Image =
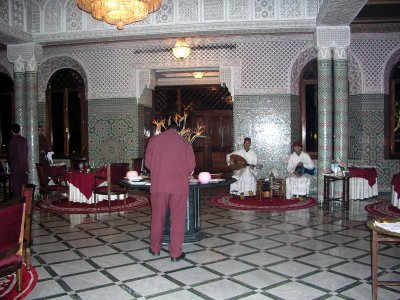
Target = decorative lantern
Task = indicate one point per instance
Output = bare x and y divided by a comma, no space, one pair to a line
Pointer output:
204,177
132,174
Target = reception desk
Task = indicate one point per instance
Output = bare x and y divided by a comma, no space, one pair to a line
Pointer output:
193,232
363,183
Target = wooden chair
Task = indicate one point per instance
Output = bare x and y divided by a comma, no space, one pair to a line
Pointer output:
28,191
11,241
115,172
59,187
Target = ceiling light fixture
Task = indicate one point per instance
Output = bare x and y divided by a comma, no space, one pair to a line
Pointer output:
119,12
198,75
181,48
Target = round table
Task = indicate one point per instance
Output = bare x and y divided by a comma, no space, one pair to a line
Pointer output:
379,234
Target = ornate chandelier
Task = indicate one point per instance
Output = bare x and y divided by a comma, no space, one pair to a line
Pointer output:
119,12
181,48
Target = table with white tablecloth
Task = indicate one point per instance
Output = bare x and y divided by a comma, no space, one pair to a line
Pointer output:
363,182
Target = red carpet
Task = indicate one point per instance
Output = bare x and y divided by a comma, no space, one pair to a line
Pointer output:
61,206
8,289
266,204
382,209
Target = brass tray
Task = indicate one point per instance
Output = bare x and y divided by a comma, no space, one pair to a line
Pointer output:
371,225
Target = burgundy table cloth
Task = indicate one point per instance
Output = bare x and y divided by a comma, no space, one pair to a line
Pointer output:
396,184
369,174
83,181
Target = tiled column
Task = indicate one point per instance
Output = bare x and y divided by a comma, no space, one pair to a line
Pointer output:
25,58
324,116
341,104
32,118
19,94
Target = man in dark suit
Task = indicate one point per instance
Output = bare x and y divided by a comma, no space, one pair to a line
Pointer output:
18,160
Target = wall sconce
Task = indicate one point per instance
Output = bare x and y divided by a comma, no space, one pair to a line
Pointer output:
198,75
181,48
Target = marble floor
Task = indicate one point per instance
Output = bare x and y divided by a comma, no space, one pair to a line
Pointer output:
304,254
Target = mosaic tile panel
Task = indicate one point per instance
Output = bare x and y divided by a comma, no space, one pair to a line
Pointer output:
113,130
295,118
19,99
18,14
266,120
73,16
213,10
52,11
324,121
340,109
367,137
35,19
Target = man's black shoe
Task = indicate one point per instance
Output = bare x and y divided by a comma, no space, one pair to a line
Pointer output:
176,259
154,253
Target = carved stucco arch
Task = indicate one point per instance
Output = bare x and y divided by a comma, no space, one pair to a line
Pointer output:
297,67
51,65
354,71
392,59
355,75
144,76
6,68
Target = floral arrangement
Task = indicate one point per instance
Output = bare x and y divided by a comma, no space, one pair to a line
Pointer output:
341,164
188,133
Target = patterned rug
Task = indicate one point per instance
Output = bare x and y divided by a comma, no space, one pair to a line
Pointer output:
8,289
382,209
62,206
266,204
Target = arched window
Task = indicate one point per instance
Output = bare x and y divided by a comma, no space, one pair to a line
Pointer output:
6,111
392,139
309,108
66,109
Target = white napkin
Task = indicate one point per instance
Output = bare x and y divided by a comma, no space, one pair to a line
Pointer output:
393,227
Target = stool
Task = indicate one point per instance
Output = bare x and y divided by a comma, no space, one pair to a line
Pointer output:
260,192
278,187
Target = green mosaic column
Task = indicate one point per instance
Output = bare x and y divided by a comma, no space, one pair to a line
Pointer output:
32,118
341,104
19,94
324,117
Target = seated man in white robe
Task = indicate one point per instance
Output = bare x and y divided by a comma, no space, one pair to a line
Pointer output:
246,178
300,167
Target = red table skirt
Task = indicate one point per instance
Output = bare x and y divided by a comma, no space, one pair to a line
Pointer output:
396,184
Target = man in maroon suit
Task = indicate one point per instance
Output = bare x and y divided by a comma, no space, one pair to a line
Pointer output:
170,160
18,160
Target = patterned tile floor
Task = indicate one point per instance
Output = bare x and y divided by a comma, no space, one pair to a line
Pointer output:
305,254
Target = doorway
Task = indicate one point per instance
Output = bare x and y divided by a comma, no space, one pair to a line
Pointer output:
210,105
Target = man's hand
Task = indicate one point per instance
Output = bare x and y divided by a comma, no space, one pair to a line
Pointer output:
300,164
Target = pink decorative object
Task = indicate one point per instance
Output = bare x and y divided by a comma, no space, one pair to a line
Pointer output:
131,174
204,177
